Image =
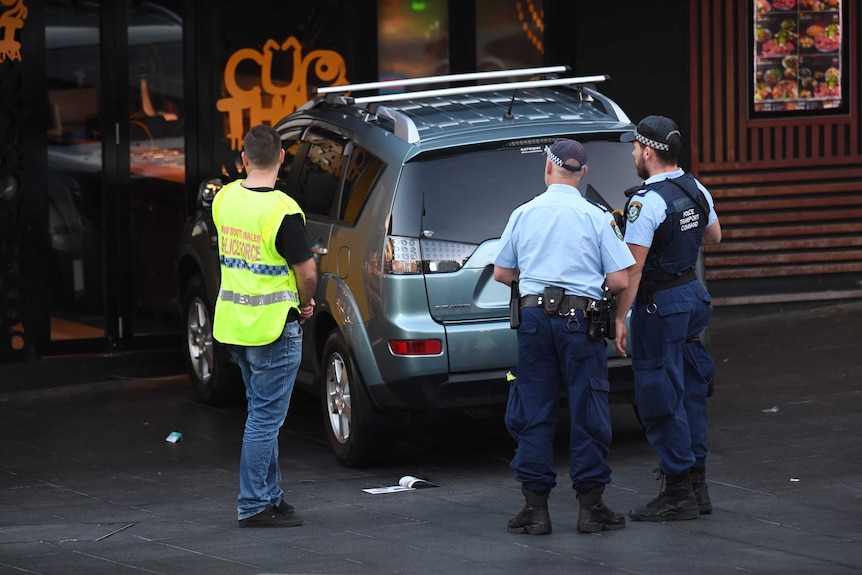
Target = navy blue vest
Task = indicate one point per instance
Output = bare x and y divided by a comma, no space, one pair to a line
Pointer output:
676,242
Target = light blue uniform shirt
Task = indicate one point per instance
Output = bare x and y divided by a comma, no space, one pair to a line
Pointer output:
560,239
650,210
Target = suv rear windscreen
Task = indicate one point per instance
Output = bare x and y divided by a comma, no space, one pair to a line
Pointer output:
467,197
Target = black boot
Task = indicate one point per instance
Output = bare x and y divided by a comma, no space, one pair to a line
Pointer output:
701,492
675,503
594,514
533,518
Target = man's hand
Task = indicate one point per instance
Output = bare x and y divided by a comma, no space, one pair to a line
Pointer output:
306,310
620,340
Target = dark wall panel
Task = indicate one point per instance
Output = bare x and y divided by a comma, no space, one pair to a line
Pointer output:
645,50
787,189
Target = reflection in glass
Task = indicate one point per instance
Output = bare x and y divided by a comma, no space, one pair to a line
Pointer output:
509,34
156,159
74,171
413,38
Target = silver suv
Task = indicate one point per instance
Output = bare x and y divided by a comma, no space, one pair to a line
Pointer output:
406,195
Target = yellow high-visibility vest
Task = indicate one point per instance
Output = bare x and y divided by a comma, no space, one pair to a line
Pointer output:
258,287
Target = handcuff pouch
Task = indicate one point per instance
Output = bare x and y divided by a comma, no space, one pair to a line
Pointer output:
553,300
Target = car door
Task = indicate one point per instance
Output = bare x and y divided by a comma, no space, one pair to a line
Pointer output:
315,183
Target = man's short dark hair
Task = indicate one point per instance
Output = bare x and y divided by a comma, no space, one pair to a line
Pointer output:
262,145
667,158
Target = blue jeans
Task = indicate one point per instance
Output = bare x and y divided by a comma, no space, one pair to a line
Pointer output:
269,372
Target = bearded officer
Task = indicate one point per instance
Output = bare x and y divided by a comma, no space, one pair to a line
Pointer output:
666,223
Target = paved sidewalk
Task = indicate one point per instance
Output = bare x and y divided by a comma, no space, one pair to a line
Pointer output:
88,483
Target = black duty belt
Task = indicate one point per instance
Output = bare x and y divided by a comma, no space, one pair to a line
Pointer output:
667,282
652,283
570,302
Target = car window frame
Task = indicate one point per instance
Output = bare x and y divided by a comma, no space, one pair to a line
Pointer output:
361,183
313,132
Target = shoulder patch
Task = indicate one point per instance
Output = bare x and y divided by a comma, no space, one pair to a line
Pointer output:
634,211
617,229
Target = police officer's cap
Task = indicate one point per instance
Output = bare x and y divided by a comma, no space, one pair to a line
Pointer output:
656,132
563,150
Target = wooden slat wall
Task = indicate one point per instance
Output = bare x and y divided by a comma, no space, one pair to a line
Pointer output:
788,191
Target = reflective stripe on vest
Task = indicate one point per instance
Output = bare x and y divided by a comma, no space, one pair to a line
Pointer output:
255,300
262,269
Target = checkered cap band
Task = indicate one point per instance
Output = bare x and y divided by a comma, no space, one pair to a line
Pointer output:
652,143
556,159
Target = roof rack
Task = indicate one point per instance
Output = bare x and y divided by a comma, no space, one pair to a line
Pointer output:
480,88
404,127
440,79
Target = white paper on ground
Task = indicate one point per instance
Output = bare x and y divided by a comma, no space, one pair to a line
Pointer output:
414,482
406,483
390,489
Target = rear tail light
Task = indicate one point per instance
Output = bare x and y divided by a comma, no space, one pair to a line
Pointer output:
416,346
402,256
414,256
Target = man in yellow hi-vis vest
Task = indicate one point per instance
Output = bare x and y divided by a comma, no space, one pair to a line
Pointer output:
268,277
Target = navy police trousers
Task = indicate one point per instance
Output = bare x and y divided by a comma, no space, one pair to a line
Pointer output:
555,355
672,373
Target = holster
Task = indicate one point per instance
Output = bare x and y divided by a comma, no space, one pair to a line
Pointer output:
514,306
602,316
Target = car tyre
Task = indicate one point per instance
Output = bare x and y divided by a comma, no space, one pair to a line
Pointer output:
356,430
215,378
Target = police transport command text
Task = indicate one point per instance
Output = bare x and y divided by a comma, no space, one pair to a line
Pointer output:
690,219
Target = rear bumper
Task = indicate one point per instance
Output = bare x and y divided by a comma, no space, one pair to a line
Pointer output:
476,389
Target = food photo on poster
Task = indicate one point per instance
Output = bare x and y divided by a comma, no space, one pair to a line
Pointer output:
797,56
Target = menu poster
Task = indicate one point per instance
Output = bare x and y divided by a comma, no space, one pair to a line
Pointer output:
798,53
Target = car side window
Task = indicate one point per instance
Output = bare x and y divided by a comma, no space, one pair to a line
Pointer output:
319,177
294,150
290,141
362,172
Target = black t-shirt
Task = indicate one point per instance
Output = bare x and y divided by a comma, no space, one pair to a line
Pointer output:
290,241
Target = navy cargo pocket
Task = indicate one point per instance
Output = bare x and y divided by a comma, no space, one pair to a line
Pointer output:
700,361
674,324
598,412
515,418
655,395
528,324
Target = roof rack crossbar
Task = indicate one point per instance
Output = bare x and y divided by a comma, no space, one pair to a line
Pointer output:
404,126
441,79
480,88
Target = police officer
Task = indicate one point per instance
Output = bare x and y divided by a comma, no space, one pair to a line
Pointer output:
560,248
666,222
268,278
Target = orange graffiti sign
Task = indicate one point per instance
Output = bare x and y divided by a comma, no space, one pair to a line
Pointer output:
11,20
266,102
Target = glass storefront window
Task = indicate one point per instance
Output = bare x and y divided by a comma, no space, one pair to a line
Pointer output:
413,38
75,218
156,159
509,34
82,201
